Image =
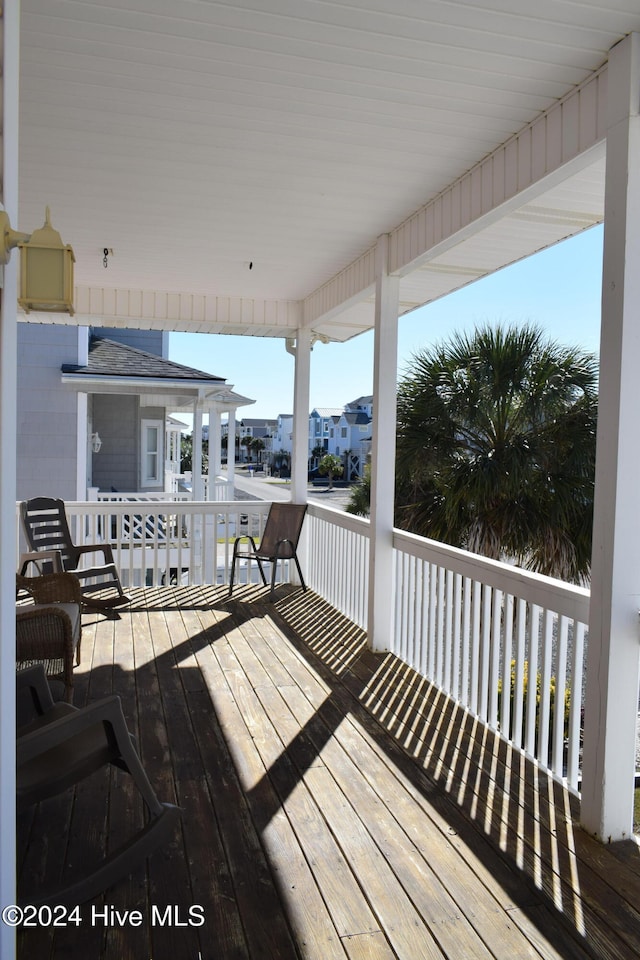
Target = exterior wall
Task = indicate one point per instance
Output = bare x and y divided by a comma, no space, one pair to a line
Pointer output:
152,341
283,437
116,418
47,414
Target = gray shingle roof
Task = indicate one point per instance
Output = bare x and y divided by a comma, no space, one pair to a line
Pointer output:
110,359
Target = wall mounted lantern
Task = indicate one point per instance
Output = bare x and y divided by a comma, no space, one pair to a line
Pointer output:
96,442
46,266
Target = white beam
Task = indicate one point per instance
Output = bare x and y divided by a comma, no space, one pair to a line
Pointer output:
189,312
231,452
614,630
215,445
383,452
301,393
10,32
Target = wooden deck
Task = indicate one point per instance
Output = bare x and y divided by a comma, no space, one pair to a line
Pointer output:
334,805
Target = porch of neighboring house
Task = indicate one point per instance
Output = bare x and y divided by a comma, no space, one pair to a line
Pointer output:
336,804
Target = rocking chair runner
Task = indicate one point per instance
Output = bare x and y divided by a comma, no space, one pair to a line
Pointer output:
59,745
279,542
46,528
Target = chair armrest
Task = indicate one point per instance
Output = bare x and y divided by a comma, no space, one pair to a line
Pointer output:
238,544
44,633
103,548
34,680
52,588
108,710
38,557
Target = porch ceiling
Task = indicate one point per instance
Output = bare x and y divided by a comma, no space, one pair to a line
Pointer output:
196,139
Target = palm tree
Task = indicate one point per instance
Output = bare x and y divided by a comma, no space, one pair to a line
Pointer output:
360,496
258,445
496,448
331,465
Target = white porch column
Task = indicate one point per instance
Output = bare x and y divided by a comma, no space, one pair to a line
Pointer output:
231,452
614,628
196,453
383,452
215,437
9,56
301,393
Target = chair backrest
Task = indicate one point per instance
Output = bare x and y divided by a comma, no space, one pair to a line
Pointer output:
283,523
45,525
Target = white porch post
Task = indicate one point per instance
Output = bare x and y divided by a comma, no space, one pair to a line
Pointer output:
301,393
231,452
215,436
8,404
383,453
196,453
614,628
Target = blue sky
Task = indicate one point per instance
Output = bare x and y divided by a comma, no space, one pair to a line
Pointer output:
559,289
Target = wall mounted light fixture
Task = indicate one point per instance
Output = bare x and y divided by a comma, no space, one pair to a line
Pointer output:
96,442
46,266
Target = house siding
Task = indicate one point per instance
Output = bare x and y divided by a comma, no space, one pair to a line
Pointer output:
116,418
152,341
47,416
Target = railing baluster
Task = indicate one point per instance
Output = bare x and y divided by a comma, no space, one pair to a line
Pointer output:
544,711
474,662
532,679
494,657
507,647
517,730
558,733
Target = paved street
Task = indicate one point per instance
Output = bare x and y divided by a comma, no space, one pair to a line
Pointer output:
271,488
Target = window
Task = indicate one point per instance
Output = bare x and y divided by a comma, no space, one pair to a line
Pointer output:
152,431
343,432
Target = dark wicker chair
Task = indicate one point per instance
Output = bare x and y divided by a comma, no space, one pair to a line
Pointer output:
58,746
46,528
49,630
279,542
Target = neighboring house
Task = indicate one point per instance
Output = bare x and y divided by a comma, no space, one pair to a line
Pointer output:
322,421
282,444
93,410
361,405
353,438
256,429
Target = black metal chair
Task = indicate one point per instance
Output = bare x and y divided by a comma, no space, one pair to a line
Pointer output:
46,528
279,541
59,745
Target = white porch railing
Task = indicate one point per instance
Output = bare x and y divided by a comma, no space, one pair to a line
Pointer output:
506,644
220,488
216,488
338,545
157,543
479,629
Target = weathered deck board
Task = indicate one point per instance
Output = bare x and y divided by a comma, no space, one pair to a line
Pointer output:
335,805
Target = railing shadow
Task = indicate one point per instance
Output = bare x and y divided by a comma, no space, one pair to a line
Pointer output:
496,800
